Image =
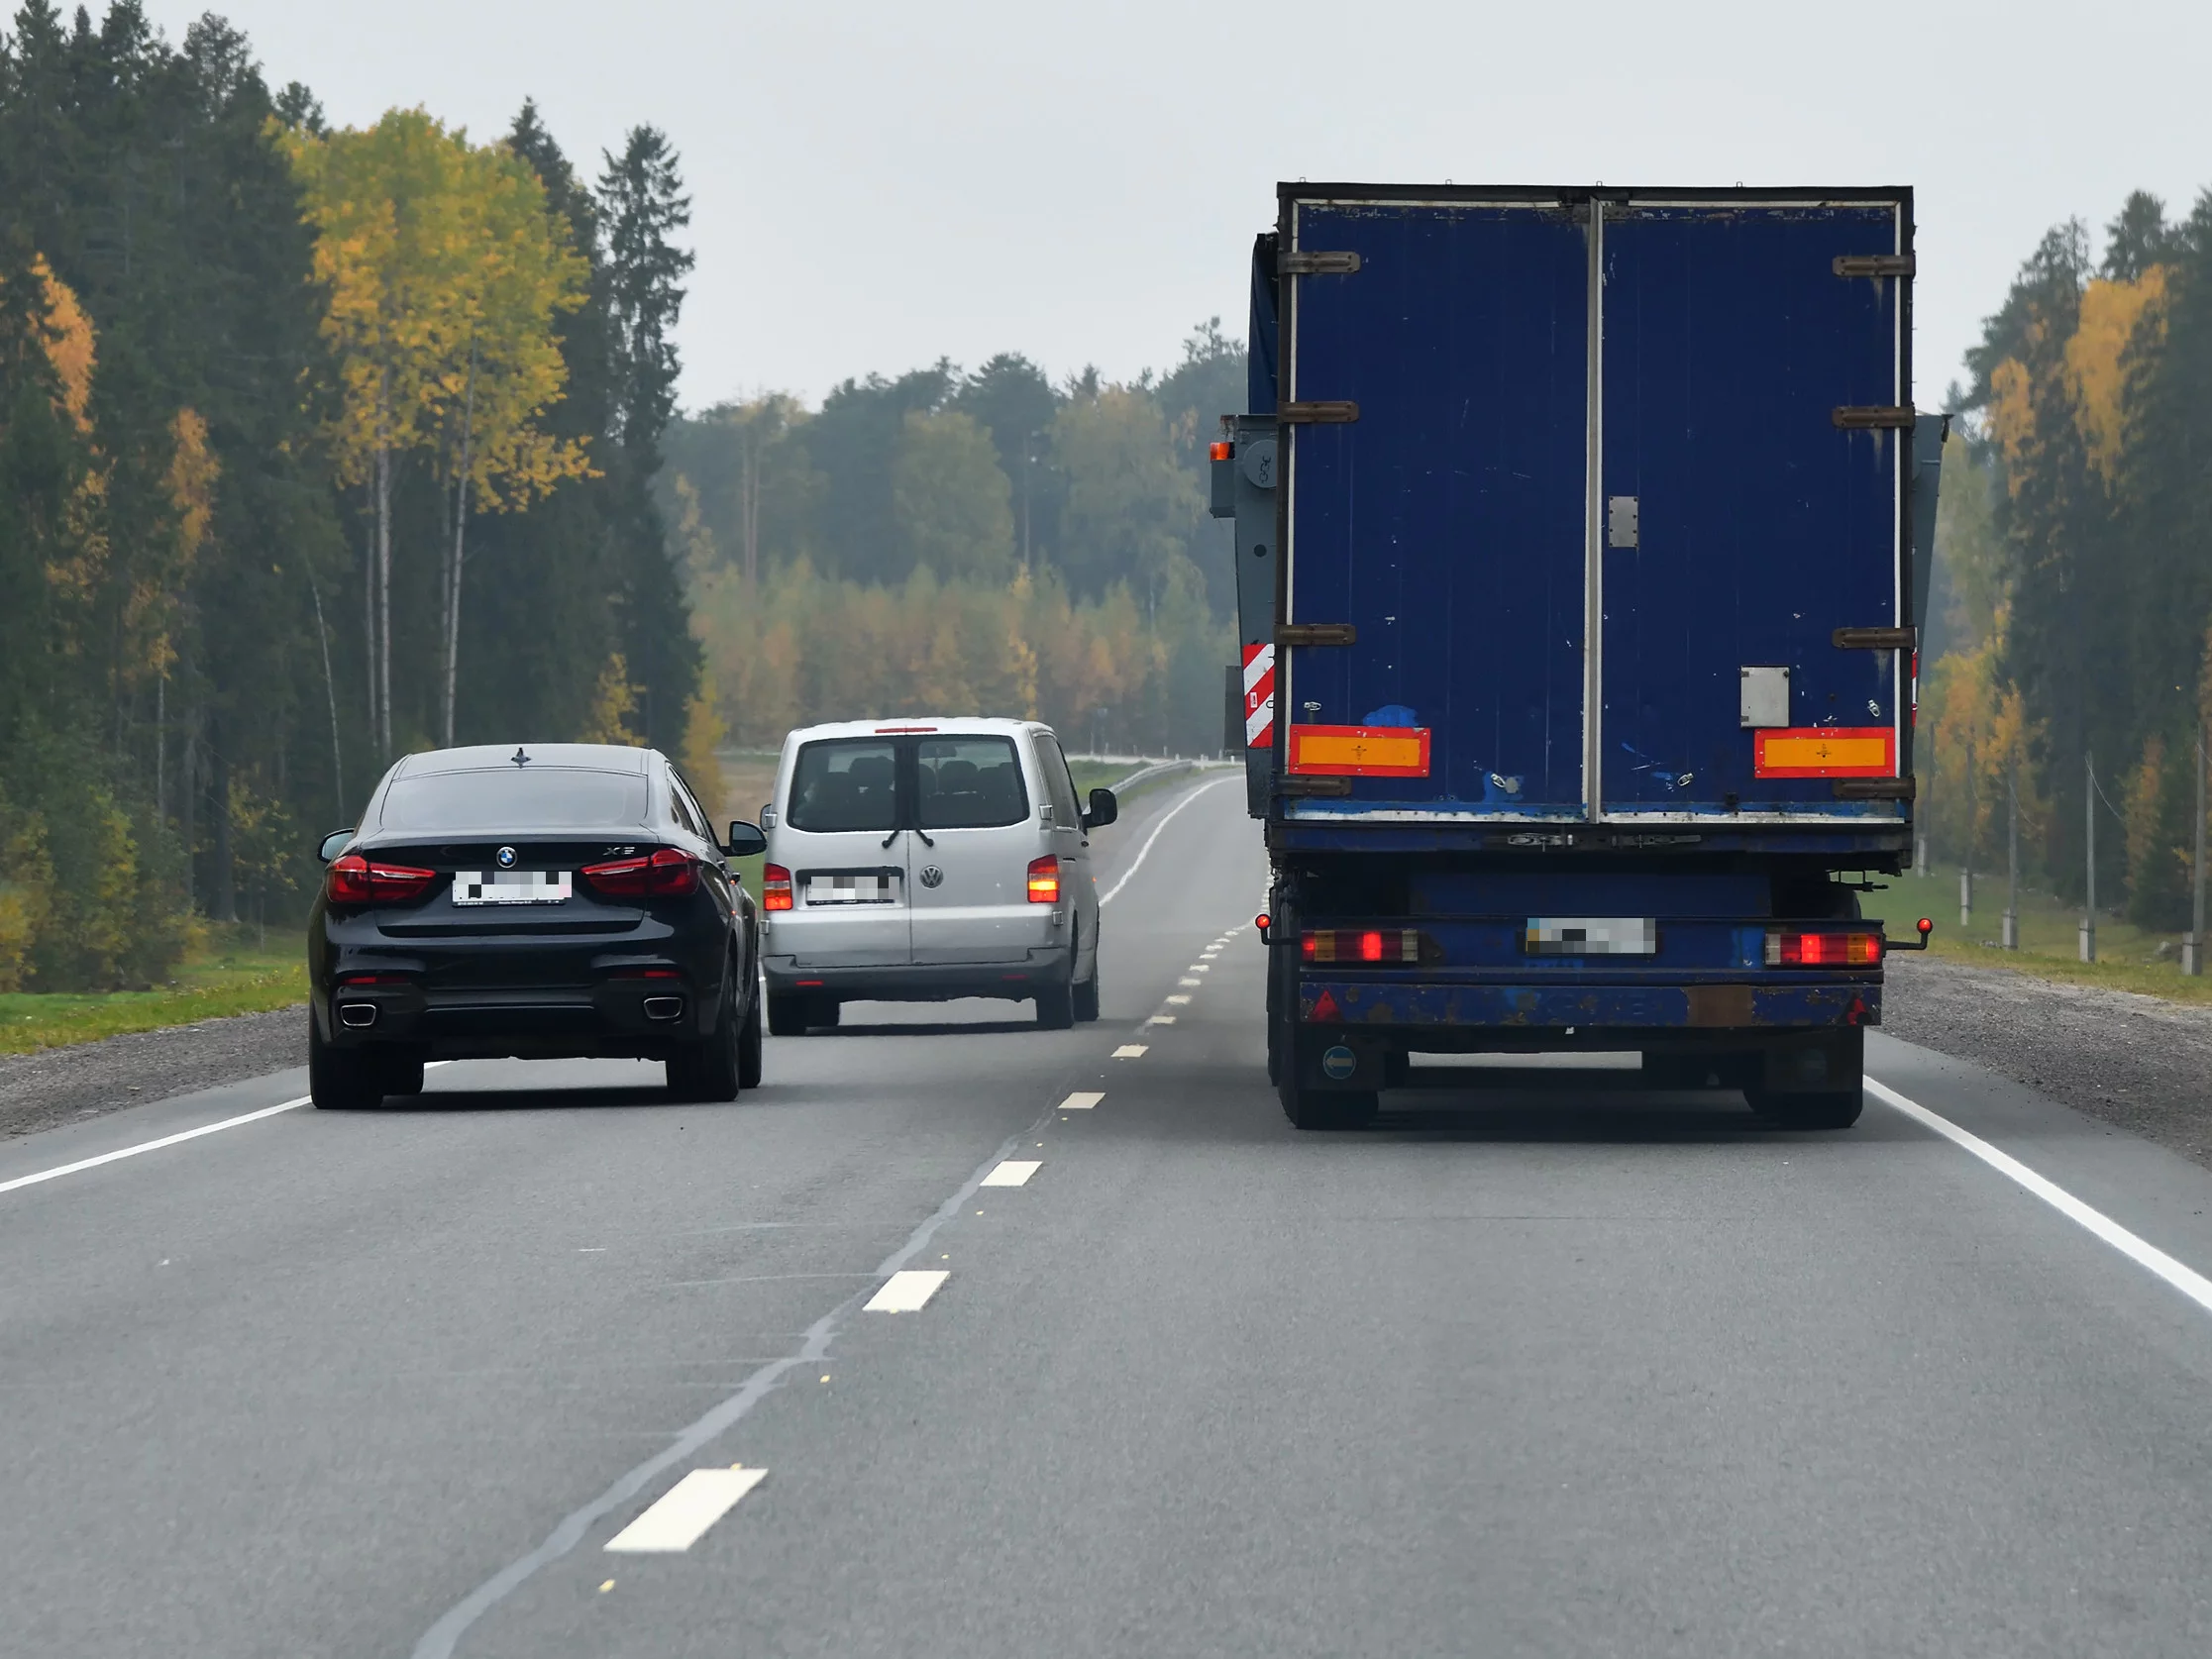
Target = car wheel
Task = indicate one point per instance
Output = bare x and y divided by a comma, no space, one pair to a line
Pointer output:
708,1070
401,1072
786,1014
749,1046
340,1080
1055,1007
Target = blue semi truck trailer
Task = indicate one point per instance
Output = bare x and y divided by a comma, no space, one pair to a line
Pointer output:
1581,538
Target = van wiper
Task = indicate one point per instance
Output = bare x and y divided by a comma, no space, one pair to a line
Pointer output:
916,828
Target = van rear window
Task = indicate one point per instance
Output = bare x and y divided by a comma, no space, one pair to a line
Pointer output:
845,784
969,782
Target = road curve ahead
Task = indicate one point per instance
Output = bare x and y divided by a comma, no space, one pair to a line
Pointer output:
1527,1370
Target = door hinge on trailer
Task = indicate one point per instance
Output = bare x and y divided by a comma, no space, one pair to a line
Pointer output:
1872,789
1895,417
1315,633
1873,264
1316,264
1875,638
1337,412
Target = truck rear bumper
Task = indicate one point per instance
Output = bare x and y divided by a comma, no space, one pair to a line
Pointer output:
1583,1008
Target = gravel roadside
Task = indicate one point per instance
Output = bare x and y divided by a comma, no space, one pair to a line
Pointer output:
84,1080
2136,1062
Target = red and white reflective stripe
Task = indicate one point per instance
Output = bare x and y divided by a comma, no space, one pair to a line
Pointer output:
1259,696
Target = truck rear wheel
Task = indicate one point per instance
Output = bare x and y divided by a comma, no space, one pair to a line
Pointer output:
1838,1111
1319,1109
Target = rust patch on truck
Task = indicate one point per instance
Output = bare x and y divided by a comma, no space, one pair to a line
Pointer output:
1721,1006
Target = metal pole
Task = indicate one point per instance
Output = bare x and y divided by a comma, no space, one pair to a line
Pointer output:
2192,947
2011,935
2089,817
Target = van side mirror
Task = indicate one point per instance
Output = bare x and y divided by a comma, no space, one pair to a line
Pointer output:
1103,809
744,841
332,845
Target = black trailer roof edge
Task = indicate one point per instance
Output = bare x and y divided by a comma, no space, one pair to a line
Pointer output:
1349,190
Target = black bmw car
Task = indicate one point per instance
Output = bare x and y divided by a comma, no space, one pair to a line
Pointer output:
552,901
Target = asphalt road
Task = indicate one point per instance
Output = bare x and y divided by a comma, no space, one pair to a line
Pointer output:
1557,1371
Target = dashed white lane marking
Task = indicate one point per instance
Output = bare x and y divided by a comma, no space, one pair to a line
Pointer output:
1178,1001
1161,1019
909,1290
1172,813
1129,1051
1202,967
684,1511
60,1169
1083,1099
1014,1172
2187,1281
1187,980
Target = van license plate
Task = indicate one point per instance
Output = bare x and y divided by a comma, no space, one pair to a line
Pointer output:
850,890
511,887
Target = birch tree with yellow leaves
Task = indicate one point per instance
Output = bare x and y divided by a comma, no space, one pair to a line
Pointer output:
445,274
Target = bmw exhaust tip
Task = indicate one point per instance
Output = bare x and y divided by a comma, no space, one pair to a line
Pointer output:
663,1007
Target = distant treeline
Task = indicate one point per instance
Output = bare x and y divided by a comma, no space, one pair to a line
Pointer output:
316,446
986,541
2074,617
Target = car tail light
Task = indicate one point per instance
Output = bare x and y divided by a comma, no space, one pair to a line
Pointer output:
353,880
1823,950
667,873
776,887
375,980
1363,944
1044,880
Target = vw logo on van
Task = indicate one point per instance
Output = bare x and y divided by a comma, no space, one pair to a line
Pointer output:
931,875
505,857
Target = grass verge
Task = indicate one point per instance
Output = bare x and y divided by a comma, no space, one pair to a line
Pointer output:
234,975
2129,957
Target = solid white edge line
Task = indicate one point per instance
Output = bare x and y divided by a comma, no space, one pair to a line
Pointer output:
1155,835
60,1169
2187,1281
681,1515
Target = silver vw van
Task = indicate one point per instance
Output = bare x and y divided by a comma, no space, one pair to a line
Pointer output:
922,860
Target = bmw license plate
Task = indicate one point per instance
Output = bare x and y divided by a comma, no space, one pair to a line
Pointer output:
511,887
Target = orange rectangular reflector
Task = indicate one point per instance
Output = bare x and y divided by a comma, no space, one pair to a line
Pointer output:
1824,751
1360,751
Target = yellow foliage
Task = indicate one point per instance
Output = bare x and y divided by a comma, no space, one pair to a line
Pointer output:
193,473
1973,731
2110,314
67,337
613,701
703,733
443,271
2012,418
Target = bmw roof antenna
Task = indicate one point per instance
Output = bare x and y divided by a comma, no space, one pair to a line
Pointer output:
518,757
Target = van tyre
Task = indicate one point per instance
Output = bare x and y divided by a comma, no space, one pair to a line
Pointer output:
341,1079
1838,1111
1087,993
708,1070
1055,1007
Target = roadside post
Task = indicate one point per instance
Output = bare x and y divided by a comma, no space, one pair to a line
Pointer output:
2010,938
2089,817
2192,947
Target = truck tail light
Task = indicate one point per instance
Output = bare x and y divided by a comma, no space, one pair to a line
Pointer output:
1823,950
353,880
1044,880
1370,944
776,887
667,873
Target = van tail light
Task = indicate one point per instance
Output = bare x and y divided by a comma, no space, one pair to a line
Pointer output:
1823,950
776,887
1393,945
667,873
353,880
1044,880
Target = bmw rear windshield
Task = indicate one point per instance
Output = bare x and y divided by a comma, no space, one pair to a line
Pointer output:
498,801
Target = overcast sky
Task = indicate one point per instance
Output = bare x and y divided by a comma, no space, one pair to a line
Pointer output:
879,185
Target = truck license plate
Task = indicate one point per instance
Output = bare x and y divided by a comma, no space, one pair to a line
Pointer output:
1592,936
